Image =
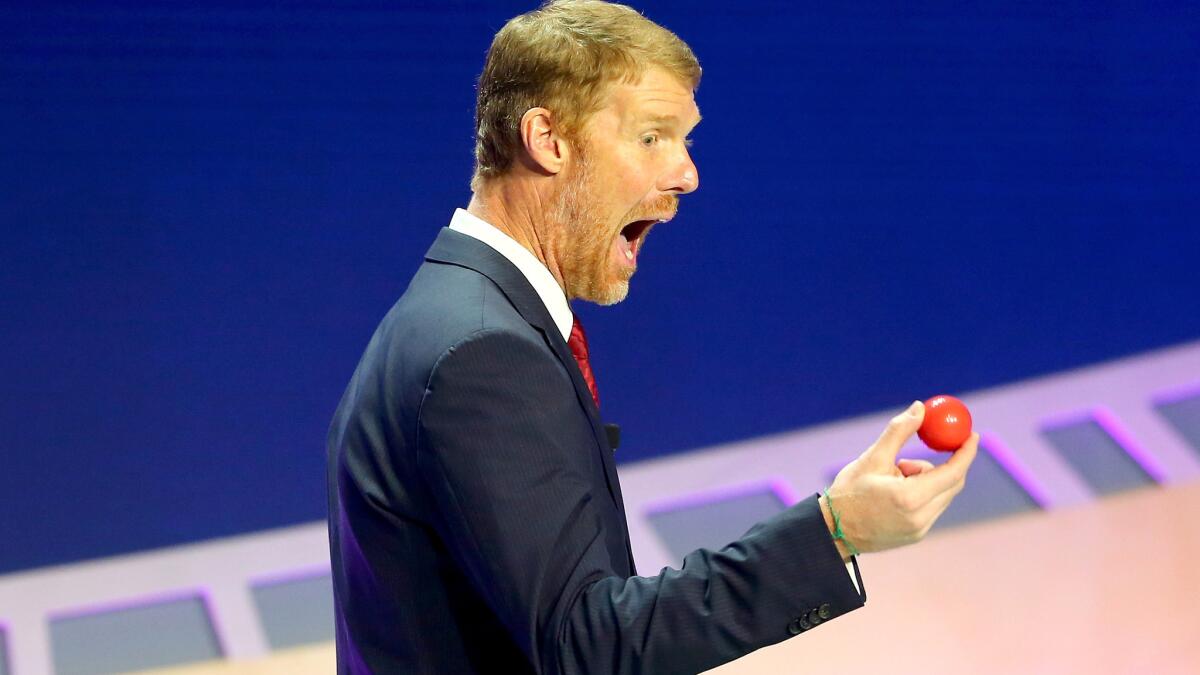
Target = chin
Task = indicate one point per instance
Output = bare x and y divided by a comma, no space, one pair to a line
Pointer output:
616,293
610,294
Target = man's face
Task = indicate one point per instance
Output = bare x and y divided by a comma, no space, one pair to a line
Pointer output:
629,167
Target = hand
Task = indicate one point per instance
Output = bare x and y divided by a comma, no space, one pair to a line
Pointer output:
883,503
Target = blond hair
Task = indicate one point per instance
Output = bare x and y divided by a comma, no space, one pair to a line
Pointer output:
563,57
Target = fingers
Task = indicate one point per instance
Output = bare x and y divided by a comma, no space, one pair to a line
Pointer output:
950,475
882,454
938,505
912,467
963,457
928,516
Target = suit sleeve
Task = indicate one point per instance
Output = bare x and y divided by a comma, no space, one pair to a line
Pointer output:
518,511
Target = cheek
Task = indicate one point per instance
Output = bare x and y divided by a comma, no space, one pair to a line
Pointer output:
638,186
635,191
632,177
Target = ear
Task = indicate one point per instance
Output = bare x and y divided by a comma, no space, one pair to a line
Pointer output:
544,145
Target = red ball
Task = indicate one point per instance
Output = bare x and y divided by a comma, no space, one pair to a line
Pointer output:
947,423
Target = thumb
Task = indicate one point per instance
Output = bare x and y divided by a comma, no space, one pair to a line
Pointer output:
882,454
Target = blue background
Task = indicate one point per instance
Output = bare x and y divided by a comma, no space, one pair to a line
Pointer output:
205,211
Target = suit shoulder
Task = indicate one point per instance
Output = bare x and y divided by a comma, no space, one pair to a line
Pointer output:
445,307
446,303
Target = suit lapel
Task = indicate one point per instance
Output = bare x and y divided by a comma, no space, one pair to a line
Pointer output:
459,249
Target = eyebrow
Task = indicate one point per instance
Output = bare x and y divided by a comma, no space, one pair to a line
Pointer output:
669,118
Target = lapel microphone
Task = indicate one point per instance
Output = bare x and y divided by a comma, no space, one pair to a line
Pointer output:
614,435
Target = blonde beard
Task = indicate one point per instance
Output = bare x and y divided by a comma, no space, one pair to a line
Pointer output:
585,250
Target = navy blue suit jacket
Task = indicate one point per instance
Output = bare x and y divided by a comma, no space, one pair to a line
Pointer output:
476,521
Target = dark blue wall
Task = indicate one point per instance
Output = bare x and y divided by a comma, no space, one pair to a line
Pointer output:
204,212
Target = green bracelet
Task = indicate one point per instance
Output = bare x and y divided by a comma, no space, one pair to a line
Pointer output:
837,525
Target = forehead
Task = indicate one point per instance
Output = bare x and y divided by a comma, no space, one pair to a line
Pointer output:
658,96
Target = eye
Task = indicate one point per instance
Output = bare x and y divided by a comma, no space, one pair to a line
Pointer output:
648,140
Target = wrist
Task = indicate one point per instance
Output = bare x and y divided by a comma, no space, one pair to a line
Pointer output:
833,522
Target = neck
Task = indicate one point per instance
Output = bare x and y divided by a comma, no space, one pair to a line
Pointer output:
518,211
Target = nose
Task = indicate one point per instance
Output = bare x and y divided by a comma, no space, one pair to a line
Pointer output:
683,177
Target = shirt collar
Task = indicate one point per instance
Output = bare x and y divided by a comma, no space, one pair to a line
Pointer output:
534,271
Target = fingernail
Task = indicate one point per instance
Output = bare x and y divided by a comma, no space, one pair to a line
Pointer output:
912,409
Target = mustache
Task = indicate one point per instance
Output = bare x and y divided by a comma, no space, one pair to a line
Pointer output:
662,205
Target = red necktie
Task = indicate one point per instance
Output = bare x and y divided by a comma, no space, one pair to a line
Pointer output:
579,347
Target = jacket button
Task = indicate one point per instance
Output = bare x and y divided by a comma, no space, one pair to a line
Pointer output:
825,611
814,618
804,622
795,628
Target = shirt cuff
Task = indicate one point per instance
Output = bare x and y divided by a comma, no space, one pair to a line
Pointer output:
856,577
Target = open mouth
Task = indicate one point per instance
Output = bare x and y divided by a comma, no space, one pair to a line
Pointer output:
633,232
631,237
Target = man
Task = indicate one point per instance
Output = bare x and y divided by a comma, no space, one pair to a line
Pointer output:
476,518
